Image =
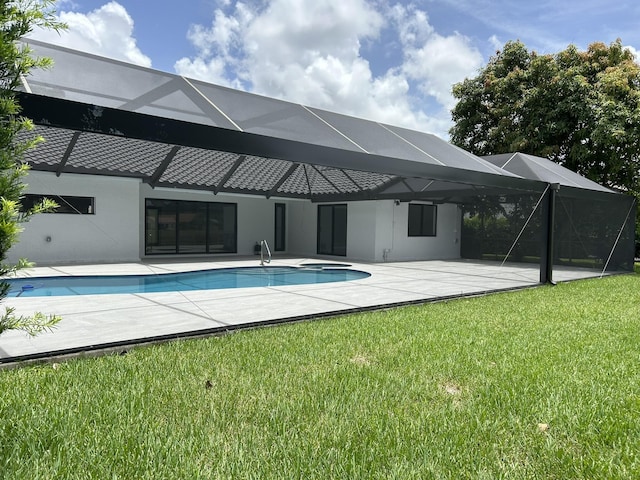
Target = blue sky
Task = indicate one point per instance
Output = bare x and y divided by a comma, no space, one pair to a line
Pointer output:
390,61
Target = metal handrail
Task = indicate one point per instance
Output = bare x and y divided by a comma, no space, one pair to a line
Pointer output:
264,246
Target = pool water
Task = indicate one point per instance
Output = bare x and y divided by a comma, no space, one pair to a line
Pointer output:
242,277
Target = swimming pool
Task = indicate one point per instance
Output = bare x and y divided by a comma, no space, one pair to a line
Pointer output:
239,277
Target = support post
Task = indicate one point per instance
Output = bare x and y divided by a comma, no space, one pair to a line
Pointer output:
547,247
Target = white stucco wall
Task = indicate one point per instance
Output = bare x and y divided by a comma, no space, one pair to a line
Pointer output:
302,228
361,222
111,234
385,221
361,230
115,233
376,226
401,247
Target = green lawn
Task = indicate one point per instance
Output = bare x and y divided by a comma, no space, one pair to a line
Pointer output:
542,383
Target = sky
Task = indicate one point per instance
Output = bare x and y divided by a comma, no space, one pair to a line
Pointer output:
390,61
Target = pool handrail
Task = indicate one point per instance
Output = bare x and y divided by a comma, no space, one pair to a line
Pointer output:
264,246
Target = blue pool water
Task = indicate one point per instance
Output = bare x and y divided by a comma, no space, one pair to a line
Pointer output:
172,282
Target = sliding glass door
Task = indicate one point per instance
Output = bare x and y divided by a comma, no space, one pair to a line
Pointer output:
180,227
332,230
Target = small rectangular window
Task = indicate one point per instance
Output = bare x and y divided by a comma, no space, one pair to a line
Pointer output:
66,203
422,220
280,227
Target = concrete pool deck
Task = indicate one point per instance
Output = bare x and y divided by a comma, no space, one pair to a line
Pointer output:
98,322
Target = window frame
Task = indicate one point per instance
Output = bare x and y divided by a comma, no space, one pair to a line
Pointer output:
280,228
425,228
67,204
177,204
334,214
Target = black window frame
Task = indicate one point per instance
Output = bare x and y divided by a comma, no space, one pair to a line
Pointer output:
335,248
176,213
67,204
427,225
280,227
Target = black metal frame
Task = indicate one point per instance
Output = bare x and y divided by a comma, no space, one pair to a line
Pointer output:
65,203
332,207
177,245
435,220
277,247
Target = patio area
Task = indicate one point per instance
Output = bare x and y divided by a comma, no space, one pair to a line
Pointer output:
92,323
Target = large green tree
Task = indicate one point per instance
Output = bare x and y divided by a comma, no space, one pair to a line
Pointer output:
18,18
580,109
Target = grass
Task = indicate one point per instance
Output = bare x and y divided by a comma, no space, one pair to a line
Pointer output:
542,383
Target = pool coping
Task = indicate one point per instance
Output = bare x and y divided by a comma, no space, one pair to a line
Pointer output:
390,285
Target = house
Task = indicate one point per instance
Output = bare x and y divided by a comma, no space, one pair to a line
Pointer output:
146,164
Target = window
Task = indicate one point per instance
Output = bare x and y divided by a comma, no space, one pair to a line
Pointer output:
332,230
66,203
173,226
422,220
280,227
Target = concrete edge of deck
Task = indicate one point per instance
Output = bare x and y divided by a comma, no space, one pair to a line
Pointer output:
391,285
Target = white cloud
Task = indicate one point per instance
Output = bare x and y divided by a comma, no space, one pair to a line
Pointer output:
311,52
106,31
435,62
634,51
496,43
212,70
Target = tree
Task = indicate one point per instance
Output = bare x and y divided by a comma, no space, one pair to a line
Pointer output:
18,18
580,109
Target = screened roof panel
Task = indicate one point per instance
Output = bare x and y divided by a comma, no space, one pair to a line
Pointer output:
271,117
177,115
447,153
374,138
91,79
176,100
538,168
111,83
